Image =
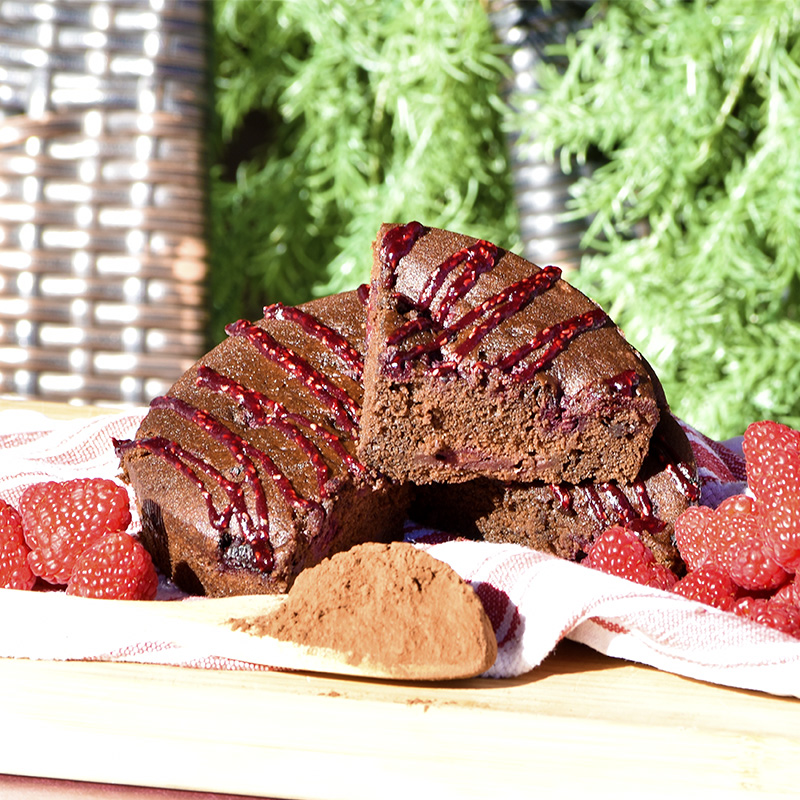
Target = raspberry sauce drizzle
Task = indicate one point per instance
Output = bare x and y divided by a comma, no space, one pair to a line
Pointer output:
678,469
617,501
608,504
247,456
267,414
345,410
500,307
504,305
184,461
189,465
557,337
624,383
263,411
476,259
332,339
397,242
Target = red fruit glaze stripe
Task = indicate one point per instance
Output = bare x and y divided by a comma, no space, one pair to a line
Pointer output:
643,498
246,454
344,409
618,502
332,339
397,243
263,411
409,328
562,495
187,464
256,533
557,337
595,504
624,383
680,473
477,259
608,504
504,305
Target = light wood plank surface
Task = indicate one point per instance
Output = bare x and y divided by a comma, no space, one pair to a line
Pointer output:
581,722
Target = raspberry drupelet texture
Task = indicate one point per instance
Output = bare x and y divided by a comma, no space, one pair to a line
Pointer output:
116,567
772,456
14,570
709,584
61,519
619,551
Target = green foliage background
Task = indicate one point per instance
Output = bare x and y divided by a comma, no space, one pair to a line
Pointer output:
693,109
332,116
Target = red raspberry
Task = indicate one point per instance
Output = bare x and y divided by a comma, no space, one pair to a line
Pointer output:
789,593
709,584
772,459
116,567
781,616
61,519
707,535
14,570
764,441
619,551
753,568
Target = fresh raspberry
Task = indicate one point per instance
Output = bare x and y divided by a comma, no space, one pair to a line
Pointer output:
707,535
692,535
737,505
709,584
781,616
789,593
752,566
763,442
772,461
14,570
116,567
61,519
619,551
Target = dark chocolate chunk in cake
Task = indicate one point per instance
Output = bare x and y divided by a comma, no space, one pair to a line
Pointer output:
246,471
563,519
482,364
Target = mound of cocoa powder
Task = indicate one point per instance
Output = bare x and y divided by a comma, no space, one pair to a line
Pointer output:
385,604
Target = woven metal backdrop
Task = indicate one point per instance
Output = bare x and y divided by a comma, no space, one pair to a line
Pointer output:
529,29
102,251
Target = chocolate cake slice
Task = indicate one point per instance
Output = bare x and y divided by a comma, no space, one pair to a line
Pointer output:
246,471
564,519
480,363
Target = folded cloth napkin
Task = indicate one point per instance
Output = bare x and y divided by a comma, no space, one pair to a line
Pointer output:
533,599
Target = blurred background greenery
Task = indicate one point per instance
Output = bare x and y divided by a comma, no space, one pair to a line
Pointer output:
332,116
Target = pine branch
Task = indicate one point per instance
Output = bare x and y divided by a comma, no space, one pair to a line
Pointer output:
340,115
693,108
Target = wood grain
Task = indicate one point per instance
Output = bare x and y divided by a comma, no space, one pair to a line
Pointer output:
581,722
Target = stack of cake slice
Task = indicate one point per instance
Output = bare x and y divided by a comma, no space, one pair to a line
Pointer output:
465,386
512,401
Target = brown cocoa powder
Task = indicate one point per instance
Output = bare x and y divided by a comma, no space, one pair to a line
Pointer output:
385,604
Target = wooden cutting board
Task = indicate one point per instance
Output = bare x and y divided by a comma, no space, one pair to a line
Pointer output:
581,722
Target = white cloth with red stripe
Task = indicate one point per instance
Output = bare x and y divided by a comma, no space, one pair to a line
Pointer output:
533,599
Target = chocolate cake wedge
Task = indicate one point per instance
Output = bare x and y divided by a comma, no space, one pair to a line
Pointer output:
246,473
564,519
481,364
